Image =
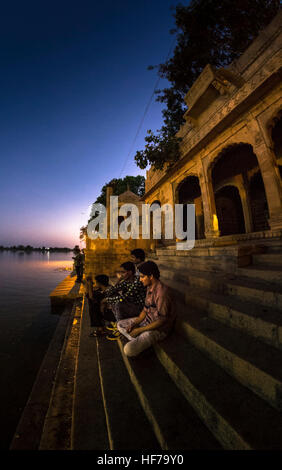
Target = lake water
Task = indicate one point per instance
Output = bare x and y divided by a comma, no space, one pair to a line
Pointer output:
26,326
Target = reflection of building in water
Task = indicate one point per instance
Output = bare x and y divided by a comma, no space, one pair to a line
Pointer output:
232,147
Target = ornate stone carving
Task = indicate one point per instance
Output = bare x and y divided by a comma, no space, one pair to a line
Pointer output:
237,98
190,121
258,138
220,87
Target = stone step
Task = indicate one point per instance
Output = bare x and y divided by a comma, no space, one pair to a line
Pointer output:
255,319
175,423
128,426
275,248
269,295
236,416
268,259
269,274
200,263
260,322
247,289
88,409
254,364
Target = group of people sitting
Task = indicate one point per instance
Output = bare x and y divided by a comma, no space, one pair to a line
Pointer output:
138,306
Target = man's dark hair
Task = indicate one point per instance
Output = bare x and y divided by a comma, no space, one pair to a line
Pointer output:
138,253
102,279
149,268
128,266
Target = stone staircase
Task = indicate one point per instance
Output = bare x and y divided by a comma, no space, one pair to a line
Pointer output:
214,383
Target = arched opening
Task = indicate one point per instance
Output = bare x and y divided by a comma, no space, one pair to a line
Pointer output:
229,211
277,141
239,197
189,192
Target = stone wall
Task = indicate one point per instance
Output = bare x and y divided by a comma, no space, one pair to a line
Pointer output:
242,102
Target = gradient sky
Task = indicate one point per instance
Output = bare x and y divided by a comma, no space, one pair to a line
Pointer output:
74,86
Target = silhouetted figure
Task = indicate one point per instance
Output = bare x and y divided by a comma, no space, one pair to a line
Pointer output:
78,263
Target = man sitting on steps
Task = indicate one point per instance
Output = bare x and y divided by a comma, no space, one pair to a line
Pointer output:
126,298
157,317
137,257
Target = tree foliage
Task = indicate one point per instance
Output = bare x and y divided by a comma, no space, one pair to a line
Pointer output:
136,184
207,31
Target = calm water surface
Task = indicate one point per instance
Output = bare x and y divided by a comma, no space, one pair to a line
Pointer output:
26,326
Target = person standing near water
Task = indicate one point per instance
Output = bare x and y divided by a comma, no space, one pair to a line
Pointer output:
78,263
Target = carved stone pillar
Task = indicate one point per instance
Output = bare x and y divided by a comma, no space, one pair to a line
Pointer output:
245,200
271,177
211,221
173,186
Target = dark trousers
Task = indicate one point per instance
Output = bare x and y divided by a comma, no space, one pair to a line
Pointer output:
97,318
79,272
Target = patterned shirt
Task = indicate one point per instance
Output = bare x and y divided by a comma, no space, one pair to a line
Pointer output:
130,291
158,304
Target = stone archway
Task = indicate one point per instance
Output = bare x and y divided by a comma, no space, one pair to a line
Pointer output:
189,192
234,188
154,242
229,211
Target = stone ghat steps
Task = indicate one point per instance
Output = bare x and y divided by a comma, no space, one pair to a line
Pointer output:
127,425
173,419
254,364
206,386
268,259
247,289
225,257
270,273
65,293
120,404
258,321
235,415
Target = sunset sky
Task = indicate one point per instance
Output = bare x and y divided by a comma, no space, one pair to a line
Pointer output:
74,85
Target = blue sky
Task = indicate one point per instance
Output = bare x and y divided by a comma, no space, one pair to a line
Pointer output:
74,85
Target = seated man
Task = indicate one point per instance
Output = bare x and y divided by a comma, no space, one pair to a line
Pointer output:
157,317
95,296
137,257
126,298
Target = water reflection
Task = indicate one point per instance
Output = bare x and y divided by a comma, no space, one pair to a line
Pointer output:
26,326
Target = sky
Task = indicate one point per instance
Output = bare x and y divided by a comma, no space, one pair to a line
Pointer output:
74,86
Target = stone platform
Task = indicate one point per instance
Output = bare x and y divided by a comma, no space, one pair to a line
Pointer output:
65,293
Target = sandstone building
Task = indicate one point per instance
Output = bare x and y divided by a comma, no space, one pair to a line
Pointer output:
231,163
216,381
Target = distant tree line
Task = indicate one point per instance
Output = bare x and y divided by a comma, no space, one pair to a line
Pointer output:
29,248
